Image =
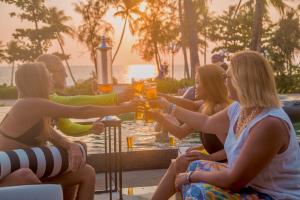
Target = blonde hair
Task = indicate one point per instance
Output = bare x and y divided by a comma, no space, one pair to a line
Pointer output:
32,80
212,79
252,77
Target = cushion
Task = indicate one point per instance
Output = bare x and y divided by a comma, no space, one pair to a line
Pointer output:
46,161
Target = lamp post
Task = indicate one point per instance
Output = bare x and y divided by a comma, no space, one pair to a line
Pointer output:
104,67
173,48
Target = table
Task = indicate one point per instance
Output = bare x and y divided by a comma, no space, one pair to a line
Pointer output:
113,158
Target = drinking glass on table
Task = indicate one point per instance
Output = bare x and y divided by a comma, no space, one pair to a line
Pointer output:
129,140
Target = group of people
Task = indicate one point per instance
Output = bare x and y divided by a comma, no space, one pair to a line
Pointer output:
253,152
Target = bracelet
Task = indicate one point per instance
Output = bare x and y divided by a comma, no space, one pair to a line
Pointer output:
171,108
188,178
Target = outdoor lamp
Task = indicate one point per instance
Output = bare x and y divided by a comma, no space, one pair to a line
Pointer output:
104,67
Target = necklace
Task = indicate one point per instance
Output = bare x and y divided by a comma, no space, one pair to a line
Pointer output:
245,118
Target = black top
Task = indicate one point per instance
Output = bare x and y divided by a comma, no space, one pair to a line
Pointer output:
30,137
211,143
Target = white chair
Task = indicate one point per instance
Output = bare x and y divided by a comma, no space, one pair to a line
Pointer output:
32,192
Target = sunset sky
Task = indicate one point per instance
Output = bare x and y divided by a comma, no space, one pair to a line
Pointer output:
79,54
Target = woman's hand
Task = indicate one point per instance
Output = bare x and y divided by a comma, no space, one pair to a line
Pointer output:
197,147
160,102
181,164
76,158
98,127
181,179
196,155
125,95
130,106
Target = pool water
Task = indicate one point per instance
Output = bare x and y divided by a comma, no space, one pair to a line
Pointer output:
144,138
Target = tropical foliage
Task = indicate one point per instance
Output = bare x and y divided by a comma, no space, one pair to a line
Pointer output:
155,24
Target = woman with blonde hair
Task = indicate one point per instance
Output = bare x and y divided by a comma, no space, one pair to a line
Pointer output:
27,124
260,142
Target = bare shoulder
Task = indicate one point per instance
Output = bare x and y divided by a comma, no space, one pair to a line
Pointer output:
31,102
220,107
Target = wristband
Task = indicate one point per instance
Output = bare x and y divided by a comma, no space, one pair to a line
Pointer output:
171,108
188,178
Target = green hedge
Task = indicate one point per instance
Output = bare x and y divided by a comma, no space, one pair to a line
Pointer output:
85,88
172,85
8,92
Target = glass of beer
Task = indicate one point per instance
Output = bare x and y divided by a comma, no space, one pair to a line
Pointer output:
150,91
129,140
150,114
172,142
138,86
130,191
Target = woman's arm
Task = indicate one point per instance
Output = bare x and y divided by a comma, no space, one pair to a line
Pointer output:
265,141
59,140
182,102
179,131
216,124
79,100
42,107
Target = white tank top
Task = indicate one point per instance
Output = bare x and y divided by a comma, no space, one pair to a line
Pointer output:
281,178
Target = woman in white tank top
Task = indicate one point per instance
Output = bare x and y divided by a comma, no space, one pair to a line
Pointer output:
261,145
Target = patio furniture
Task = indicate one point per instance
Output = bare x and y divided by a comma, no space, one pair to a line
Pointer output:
46,161
32,192
113,159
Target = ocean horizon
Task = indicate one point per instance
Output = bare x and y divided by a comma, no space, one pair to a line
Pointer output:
83,72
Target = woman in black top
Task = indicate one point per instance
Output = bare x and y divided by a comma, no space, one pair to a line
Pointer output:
212,93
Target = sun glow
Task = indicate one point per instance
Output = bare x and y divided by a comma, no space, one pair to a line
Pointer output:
141,71
143,6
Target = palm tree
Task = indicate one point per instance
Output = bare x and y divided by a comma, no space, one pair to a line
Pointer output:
92,25
126,10
57,19
191,20
13,53
183,42
155,29
260,9
2,52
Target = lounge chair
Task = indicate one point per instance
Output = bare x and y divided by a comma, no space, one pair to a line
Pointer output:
32,192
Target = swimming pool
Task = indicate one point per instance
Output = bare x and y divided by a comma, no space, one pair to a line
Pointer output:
144,138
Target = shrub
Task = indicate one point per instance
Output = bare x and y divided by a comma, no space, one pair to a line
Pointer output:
8,92
172,85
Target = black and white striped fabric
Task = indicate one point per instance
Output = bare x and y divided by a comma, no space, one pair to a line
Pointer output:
43,161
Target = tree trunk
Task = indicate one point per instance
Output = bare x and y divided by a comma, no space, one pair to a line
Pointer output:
120,42
205,47
12,74
157,55
65,59
94,57
257,26
172,65
181,26
190,17
38,40
157,63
